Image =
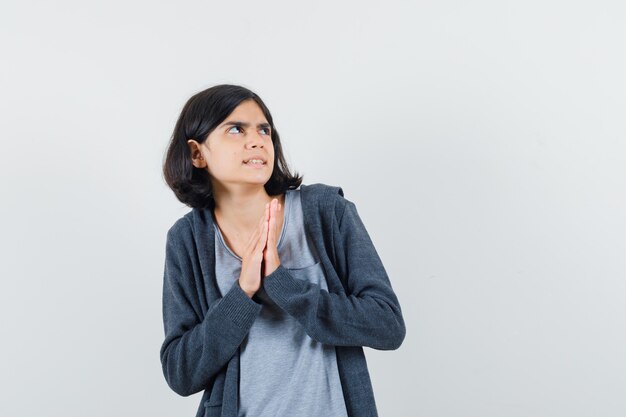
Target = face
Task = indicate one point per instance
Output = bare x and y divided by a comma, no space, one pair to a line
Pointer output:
243,135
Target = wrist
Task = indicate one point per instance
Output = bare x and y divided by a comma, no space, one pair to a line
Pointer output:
248,292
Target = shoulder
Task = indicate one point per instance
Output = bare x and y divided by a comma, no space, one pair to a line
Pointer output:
326,198
320,190
181,229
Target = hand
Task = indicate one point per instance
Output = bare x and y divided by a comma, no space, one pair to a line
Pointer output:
270,254
252,258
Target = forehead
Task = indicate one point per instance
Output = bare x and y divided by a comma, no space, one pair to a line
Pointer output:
249,111
246,114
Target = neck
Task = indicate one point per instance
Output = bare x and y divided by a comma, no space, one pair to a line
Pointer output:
241,208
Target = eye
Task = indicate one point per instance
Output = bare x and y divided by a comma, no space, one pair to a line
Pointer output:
265,129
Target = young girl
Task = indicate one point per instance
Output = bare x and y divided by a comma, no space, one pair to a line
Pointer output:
271,288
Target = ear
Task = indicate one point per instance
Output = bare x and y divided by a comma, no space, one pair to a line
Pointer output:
197,159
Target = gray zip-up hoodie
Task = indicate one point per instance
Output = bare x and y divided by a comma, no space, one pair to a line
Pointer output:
203,330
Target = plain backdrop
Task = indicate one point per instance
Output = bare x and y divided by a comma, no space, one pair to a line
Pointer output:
483,143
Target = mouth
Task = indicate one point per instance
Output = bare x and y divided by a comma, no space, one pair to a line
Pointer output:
255,162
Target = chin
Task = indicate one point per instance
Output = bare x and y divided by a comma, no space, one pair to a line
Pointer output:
258,180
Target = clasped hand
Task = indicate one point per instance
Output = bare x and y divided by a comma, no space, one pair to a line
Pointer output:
261,254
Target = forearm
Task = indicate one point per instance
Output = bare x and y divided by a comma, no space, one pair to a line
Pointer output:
191,357
337,318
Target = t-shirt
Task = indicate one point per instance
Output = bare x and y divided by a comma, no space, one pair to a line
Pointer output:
282,370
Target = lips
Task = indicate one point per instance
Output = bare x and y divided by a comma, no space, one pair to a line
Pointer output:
255,165
245,161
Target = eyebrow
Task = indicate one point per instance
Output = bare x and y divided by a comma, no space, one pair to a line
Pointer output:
244,124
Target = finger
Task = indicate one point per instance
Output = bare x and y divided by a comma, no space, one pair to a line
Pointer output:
276,231
262,240
255,235
272,225
276,220
263,218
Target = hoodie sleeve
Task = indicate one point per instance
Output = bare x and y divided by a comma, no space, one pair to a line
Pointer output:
197,345
368,314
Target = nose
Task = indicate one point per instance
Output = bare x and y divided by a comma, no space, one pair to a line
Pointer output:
255,140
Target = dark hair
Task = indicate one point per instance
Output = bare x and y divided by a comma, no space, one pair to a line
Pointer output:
202,113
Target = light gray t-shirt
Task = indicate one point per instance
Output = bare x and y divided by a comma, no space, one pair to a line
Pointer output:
283,372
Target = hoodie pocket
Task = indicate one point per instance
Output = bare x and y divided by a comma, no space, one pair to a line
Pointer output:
312,273
213,410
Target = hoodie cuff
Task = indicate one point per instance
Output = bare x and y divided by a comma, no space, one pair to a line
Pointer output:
280,284
238,307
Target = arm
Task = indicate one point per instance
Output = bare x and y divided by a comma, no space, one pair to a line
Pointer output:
196,347
369,315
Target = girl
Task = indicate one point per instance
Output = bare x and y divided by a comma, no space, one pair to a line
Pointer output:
271,288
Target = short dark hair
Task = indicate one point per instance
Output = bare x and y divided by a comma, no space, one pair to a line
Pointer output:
202,113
